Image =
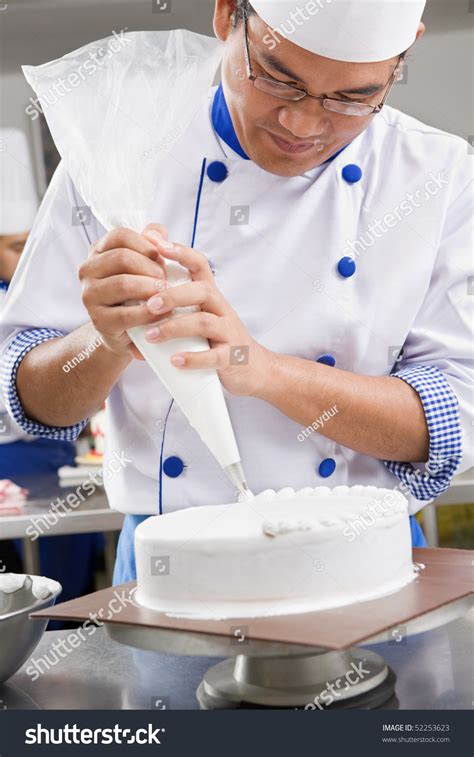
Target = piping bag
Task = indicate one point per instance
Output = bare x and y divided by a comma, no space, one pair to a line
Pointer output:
107,104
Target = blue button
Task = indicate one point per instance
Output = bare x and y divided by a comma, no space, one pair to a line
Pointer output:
346,267
217,171
351,173
327,360
327,467
173,467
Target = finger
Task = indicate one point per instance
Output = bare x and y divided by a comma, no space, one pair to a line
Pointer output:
201,293
206,325
113,321
212,358
158,228
116,290
196,263
128,238
136,352
121,260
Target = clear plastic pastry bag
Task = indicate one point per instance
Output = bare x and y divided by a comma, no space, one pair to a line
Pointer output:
107,105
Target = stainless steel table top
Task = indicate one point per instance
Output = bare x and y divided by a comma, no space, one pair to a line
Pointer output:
94,514
434,671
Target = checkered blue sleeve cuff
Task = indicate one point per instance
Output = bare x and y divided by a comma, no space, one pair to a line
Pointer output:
15,352
441,410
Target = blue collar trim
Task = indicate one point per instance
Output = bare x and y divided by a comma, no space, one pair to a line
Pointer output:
224,127
3,284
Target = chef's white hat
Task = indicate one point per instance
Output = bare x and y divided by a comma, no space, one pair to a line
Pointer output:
358,31
18,198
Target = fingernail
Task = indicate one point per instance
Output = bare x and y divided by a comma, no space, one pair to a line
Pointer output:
157,237
153,333
162,284
178,360
155,304
154,235
166,245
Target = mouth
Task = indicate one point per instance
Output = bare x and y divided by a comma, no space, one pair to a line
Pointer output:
295,148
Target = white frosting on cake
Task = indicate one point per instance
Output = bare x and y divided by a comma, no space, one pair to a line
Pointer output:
276,553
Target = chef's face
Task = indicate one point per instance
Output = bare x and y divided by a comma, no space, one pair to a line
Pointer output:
11,247
285,137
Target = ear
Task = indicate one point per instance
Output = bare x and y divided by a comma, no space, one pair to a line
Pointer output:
421,31
222,22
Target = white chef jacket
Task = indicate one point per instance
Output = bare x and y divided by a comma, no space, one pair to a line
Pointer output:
10,431
347,263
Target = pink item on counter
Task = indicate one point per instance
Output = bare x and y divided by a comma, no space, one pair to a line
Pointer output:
12,497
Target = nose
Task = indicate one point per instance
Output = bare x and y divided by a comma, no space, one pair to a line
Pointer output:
305,119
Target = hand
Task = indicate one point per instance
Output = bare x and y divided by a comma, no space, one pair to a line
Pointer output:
122,266
241,362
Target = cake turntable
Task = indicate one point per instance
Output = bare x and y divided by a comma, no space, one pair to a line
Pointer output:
283,675
293,661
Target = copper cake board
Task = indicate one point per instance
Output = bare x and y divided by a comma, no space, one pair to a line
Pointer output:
446,578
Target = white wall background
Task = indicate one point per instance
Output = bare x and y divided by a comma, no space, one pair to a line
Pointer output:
439,89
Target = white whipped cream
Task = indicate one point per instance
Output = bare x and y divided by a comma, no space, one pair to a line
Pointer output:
41,587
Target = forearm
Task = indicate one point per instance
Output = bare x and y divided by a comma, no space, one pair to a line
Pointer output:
377,416
54,396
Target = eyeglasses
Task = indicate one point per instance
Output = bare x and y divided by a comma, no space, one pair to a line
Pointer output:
289,92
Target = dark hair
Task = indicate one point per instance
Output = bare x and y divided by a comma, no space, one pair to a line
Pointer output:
241,7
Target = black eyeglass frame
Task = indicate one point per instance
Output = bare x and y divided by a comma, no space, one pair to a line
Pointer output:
322,98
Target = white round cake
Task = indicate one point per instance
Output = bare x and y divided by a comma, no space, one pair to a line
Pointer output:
277,553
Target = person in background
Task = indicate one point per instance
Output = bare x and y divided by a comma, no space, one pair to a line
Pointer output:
24,458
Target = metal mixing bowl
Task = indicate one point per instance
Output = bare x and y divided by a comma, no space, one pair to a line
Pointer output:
19,634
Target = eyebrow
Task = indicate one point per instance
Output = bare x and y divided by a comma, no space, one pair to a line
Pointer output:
277,65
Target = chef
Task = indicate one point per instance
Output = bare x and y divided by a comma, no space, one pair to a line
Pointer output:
327,236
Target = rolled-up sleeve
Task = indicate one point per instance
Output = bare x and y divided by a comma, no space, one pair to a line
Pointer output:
437,358
441,409
17,349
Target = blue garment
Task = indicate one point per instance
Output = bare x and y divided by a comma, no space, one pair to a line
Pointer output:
125,568
222,123
417,535
38,456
